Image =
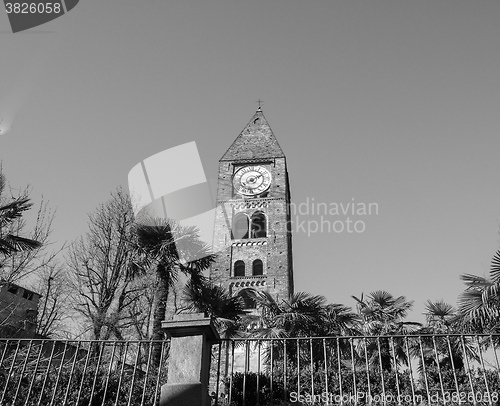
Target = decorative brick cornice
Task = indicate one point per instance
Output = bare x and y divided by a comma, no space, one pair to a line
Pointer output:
260,160
247,281
248,243
249,205
261,199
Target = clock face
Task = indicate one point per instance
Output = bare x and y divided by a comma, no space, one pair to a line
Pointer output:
251,180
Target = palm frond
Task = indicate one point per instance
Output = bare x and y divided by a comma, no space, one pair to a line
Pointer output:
439,309
472,281
2,183
270,332
474,309
13,210
495,268
266,302
11,244
382,298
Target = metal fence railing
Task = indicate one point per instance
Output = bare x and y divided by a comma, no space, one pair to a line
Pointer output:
390,370
61,372
385,370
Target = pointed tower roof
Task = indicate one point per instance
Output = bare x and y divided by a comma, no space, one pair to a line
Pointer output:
255,141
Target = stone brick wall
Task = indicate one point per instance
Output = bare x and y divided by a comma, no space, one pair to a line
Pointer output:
274,250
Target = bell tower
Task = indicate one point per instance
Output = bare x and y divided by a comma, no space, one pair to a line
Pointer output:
252,231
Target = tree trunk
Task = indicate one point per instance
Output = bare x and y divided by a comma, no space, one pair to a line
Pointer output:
161,297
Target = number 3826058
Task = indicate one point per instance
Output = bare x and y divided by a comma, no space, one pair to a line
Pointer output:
32,8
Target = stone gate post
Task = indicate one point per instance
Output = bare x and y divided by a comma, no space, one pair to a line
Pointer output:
192,336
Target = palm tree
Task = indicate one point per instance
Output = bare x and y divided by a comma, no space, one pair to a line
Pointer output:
442,318
447,351
227,311
301,315
340,320
479,304
162,245
383,314
9,214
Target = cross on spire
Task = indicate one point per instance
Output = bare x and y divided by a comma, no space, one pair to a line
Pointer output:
260,102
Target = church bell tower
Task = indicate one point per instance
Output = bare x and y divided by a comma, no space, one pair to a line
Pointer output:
252,231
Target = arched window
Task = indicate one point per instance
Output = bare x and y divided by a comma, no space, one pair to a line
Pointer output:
239,268
248,300
240,227
257,268
258,225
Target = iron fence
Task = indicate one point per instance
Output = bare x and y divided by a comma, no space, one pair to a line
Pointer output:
391,370
56,372
386,370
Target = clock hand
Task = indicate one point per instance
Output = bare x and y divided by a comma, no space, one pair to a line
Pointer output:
254,178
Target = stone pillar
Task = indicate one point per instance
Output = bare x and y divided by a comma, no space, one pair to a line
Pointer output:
192,336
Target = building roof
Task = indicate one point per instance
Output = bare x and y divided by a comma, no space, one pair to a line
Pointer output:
3,282
255,141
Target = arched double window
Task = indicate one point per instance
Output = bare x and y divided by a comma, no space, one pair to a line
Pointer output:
243,227
258,225
257,268
240,227
239,268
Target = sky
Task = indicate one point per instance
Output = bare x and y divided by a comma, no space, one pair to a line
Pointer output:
388,102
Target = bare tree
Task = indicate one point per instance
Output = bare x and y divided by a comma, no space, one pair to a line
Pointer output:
54,310
21,265
28,261
101,267
141,309
23,253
